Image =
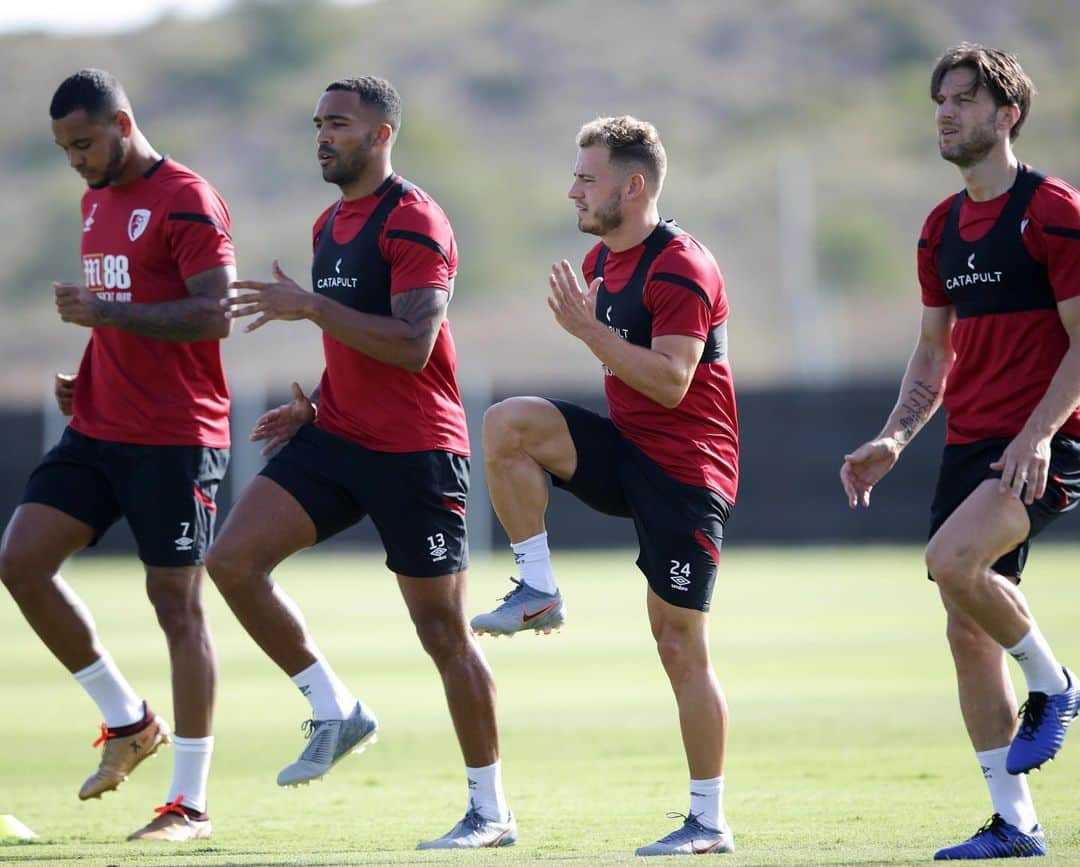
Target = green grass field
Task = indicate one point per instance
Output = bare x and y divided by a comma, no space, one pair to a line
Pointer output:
846,742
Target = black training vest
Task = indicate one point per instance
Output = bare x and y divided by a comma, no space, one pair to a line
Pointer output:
355,273
624,312
995,274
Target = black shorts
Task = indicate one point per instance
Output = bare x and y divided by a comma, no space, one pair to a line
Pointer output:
416,499
965,467
165,492
680,527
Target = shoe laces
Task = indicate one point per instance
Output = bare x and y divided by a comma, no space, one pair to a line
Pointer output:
103,737
690,820
308,727
1031,715
172,807
994,825
520,586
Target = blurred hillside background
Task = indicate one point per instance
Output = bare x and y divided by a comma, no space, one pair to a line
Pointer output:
802,150
800,137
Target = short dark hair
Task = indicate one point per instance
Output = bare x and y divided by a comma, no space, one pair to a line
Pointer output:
629,141
375,92
94,91
998,71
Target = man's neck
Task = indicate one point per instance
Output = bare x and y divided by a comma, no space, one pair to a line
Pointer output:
633,230
140,160
992,176
372,178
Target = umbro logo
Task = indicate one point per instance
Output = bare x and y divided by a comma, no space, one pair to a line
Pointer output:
681,580
89,221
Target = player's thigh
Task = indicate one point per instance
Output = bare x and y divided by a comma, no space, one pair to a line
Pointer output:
417,502
680,530
266,525
536,426
168,494
439,599
600,450
982,530
37,540
72,480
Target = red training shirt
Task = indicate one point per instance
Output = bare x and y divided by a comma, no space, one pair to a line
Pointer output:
380,406
697,442
1004,362
140,242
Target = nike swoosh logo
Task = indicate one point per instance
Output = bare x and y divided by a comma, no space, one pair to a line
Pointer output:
526,616
704,850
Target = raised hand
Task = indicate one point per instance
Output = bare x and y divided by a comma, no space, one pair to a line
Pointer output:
77,304
282,299
281,424
574,310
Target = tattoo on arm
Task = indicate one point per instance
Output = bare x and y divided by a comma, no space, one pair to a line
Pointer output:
423,310
917,407
198,317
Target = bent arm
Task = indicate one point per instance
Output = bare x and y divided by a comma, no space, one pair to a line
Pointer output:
662,372
188,320
923,386
404,339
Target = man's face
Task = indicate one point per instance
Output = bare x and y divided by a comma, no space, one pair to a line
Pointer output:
345,133
94,149
967,120
597,191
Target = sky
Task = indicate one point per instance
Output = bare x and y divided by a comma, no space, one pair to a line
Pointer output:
79,16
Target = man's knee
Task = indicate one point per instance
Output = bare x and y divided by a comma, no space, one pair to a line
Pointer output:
952,565
681,650
229,566
19,571
176,595
504,423
442,637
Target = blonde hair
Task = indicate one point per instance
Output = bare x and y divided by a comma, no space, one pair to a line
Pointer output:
630,142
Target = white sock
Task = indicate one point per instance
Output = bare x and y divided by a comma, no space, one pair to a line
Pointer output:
191,767
117,701
1037,661
707,802
328,696
534,563
1008,792
486,792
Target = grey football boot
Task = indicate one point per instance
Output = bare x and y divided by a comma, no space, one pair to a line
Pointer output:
329,741
692,838
523,608
475,832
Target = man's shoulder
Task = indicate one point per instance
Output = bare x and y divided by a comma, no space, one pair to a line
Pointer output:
934,223
1056,202
417,204
684,254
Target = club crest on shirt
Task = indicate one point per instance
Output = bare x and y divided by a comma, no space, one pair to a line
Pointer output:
137,222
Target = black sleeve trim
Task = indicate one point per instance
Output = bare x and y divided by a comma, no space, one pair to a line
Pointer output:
417,238
1063,231
200,218
686,283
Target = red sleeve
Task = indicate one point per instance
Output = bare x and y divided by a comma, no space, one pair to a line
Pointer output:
1053,235
588,264
198,229
419,244
685,292
933,291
